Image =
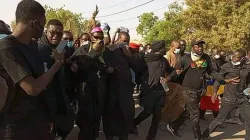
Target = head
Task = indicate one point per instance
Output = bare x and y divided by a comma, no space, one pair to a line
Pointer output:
4,28
158,47
97,34
30,19
148,48
215,53
123,37
238,57
54,31
197,47
223,54
183,45
68,36
134,48
176,47
248,51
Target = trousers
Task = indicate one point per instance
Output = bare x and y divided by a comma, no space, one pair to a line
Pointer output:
227,107
156,112
193,109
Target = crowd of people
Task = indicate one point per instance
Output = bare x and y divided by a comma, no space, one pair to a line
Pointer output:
44,92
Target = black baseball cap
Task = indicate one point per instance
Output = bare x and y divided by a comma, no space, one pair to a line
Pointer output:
196,42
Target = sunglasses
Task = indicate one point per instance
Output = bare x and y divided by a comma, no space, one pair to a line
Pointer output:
53,33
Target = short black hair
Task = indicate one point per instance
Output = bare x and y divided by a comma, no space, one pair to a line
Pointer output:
67,32
28,10
54,22
242,52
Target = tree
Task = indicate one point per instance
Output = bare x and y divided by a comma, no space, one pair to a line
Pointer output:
169,28
223,23
71,21
147,21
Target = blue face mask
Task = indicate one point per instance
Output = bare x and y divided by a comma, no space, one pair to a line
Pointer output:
3,36
70,44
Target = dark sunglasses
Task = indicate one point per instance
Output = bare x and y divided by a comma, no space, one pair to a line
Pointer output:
53,33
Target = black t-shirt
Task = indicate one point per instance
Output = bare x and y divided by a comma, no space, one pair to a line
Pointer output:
194,78
18,61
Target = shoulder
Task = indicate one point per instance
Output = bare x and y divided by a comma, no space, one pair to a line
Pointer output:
226,65
206,57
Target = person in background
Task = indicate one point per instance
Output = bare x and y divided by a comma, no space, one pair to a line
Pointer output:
183,47
58,103
134,48
4,30
148,48
24,116
82,40
173,55
223,55
235,75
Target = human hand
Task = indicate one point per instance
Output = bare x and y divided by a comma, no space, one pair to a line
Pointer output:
235,80
58,57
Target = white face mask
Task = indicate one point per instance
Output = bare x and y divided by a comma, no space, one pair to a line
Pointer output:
195,57
85,42
148,51
237,63
217,56
177,51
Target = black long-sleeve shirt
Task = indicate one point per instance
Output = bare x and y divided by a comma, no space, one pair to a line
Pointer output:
228,71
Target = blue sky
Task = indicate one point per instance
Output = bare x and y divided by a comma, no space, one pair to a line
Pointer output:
84,6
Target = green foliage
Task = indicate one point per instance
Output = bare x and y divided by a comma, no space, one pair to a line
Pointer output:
170,28
71,21
221,23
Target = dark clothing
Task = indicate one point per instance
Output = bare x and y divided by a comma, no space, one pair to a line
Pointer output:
233,96
92,78
155,120
195,76
57,101
21,110
152,96
155,66
180,120
119,108
194,84
234,91
227,107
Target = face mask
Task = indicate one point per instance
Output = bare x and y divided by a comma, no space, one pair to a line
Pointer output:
195,57
3,36
69,44
85,42
237,63
217,56
148,51
177,51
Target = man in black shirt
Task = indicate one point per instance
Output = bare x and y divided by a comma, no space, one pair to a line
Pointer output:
236,76
58,104
23,116
194,66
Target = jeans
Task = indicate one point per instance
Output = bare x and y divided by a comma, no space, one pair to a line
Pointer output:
227,107
155,120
